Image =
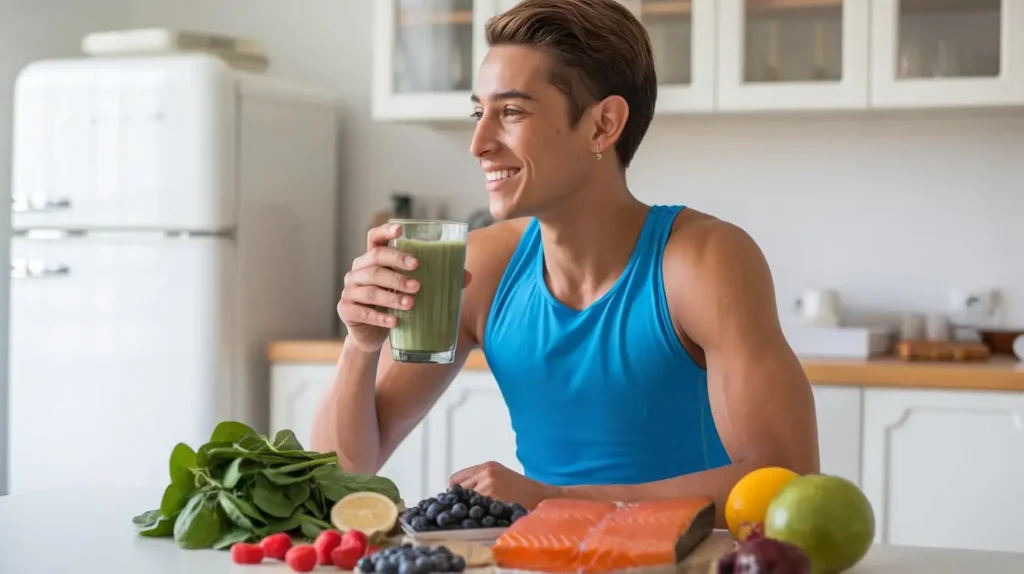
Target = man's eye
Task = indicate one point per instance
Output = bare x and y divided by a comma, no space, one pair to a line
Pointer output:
511,112
476,114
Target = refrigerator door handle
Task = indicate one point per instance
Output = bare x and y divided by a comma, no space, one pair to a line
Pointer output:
23,203
37,269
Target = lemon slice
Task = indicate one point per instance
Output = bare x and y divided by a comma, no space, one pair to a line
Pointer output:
369,512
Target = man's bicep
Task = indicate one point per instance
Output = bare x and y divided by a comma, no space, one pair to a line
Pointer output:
760,397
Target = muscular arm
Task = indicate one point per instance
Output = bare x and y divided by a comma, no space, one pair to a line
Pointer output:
721,292
374,403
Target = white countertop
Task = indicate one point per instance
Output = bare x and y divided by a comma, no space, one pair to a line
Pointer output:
89,531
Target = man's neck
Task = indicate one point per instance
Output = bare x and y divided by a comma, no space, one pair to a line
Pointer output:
589,239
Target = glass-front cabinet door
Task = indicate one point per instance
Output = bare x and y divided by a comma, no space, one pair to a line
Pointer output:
426,54
682,34
793,54
947,52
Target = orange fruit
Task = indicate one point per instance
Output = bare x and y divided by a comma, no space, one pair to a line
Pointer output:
749,499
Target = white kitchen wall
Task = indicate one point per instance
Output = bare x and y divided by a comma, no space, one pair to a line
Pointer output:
893,210
31,30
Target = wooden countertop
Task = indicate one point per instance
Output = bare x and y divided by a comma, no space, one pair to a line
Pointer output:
997,374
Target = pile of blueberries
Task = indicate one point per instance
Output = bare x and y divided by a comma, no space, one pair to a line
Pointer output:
409,559
461,509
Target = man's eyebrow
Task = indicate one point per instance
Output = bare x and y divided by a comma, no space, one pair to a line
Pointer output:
506,95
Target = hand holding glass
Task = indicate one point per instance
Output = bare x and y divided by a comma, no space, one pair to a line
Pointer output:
428,331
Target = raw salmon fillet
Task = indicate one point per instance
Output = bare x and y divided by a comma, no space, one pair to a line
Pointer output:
563,535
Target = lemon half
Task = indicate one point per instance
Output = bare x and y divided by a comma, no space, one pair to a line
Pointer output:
369,512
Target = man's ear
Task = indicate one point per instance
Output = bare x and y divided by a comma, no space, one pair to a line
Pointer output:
609,119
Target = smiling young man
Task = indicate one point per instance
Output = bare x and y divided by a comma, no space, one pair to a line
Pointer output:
637,347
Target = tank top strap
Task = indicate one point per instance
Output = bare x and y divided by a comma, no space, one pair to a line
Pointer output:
655,235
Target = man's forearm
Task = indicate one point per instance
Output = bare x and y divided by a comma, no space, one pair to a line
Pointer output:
715,483
346,420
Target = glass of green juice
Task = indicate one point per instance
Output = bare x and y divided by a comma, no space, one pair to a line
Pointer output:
429,331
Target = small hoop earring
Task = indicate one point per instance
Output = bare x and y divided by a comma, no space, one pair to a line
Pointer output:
599,156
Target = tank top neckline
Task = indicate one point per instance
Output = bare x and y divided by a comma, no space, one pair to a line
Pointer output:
566,310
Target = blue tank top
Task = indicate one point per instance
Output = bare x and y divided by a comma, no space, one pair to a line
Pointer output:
606,395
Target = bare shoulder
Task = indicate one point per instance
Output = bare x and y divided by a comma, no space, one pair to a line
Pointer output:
488,251
714,268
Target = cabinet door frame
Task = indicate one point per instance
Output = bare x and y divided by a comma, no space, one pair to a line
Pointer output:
699,94
420,106
849,92
888,91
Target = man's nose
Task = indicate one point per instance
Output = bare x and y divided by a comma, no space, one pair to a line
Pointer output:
484,140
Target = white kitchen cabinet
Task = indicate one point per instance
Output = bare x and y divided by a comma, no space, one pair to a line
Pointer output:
943,468
793,54
425,57
948,53
838,411
469,425
682,34
296,390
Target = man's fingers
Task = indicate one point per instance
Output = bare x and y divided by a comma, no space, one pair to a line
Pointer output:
464,475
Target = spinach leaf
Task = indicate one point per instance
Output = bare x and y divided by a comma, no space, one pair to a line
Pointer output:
232,537
232,432
285,440
201,523
173,501
183,460
229,504
153,523
271,499
232,474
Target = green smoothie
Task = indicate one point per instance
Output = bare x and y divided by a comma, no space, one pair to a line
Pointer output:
431,326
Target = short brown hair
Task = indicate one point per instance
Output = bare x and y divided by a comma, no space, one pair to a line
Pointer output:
600,49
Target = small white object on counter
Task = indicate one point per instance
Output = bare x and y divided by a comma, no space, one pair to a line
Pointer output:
89,531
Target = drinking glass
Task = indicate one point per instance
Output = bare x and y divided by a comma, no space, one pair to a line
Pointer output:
429,331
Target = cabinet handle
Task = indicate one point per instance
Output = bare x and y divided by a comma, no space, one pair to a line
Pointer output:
22,203
36,269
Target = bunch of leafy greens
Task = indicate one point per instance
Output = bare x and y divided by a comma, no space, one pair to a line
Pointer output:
242,487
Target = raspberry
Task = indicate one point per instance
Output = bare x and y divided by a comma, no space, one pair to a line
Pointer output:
245,553
276,545
358,539
326,542
347,555
301,558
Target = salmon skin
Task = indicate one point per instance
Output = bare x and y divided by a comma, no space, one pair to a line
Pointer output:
565,535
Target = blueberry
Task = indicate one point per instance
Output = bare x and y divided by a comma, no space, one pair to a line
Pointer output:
517,515
440,562
477,512
433,510
445,519
488,522
405,567
420,523
460,510
470,524
422,565
458,564
365,565
456,489
498,510
413,512
442,549
386,567
502,522
425,503
476,500
516,507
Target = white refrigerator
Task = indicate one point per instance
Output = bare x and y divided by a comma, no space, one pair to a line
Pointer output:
171,216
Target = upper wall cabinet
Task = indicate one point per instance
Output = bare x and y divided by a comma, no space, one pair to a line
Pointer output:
928,53
792,54
735,55
683,40
426,53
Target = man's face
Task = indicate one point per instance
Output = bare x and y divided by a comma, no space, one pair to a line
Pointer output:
529,154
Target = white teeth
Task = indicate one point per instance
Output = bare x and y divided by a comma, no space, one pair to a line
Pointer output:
500,174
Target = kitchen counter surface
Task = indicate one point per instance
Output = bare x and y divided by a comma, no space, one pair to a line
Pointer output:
996,374
88,530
